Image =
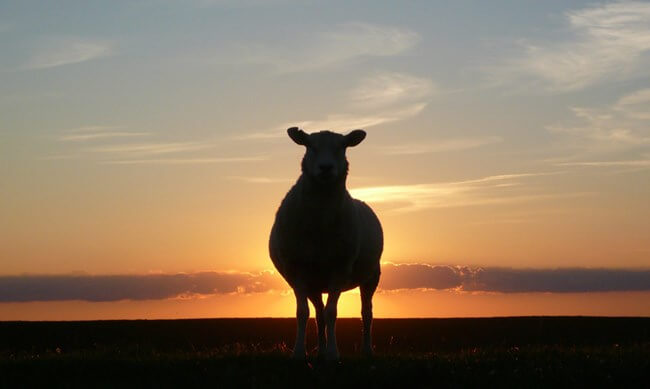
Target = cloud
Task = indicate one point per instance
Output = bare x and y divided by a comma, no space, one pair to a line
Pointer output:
263,180
634,105
639,97
498,189
100,135
94,128
347,122
387,89
605,132
149,148
279,132
607,42
343,44
56,157
380,99
185,161
339,122
59,52
421,276
132,287
622,163
442,145
395,277
96,132
509,280
576,280
601,133
140,153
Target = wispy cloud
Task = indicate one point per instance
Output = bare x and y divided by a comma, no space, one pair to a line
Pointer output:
603,133
379,99
622,163
94,128
338,122
347,122
185,161
603,128
149,148
278,132
141,153
101,135
498,189
388,89
126,150
343,44
262,180
395,277
59,52
635,105
58,157
606,42
442,145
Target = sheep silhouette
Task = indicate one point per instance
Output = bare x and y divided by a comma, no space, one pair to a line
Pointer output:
324,241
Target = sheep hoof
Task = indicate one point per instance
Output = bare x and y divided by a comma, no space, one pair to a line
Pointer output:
299,356
300,364
332,355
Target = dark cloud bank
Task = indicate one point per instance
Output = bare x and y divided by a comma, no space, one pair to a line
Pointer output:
508,280
132,287
99,288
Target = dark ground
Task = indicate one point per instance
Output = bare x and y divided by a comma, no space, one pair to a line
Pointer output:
244,353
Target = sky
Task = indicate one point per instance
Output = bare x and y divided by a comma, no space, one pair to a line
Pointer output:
143,153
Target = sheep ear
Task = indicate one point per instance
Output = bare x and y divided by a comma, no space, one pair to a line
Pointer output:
354,138
298,136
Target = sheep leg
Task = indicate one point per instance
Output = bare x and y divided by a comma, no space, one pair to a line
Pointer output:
332,352
317,300
302,314
366,314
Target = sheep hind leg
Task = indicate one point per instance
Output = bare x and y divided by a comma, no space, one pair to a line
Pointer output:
302,314
332,351
367,292
317,301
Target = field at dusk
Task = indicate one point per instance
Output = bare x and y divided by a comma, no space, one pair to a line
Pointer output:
251,353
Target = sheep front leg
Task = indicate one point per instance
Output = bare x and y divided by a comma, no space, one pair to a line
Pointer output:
302,314
332,352
317,300
366,314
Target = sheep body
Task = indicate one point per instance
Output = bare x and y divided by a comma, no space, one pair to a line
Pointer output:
318,242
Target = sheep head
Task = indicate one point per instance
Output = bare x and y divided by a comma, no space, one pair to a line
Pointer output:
324,159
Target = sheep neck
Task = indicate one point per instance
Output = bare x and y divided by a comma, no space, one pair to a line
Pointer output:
324,196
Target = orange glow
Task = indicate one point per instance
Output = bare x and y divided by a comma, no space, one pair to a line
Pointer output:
386,305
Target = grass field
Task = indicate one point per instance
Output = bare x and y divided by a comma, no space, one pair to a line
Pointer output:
250,353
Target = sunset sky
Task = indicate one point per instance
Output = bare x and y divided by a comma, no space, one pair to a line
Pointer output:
143,153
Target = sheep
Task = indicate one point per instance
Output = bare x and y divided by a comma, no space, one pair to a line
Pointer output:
324,241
